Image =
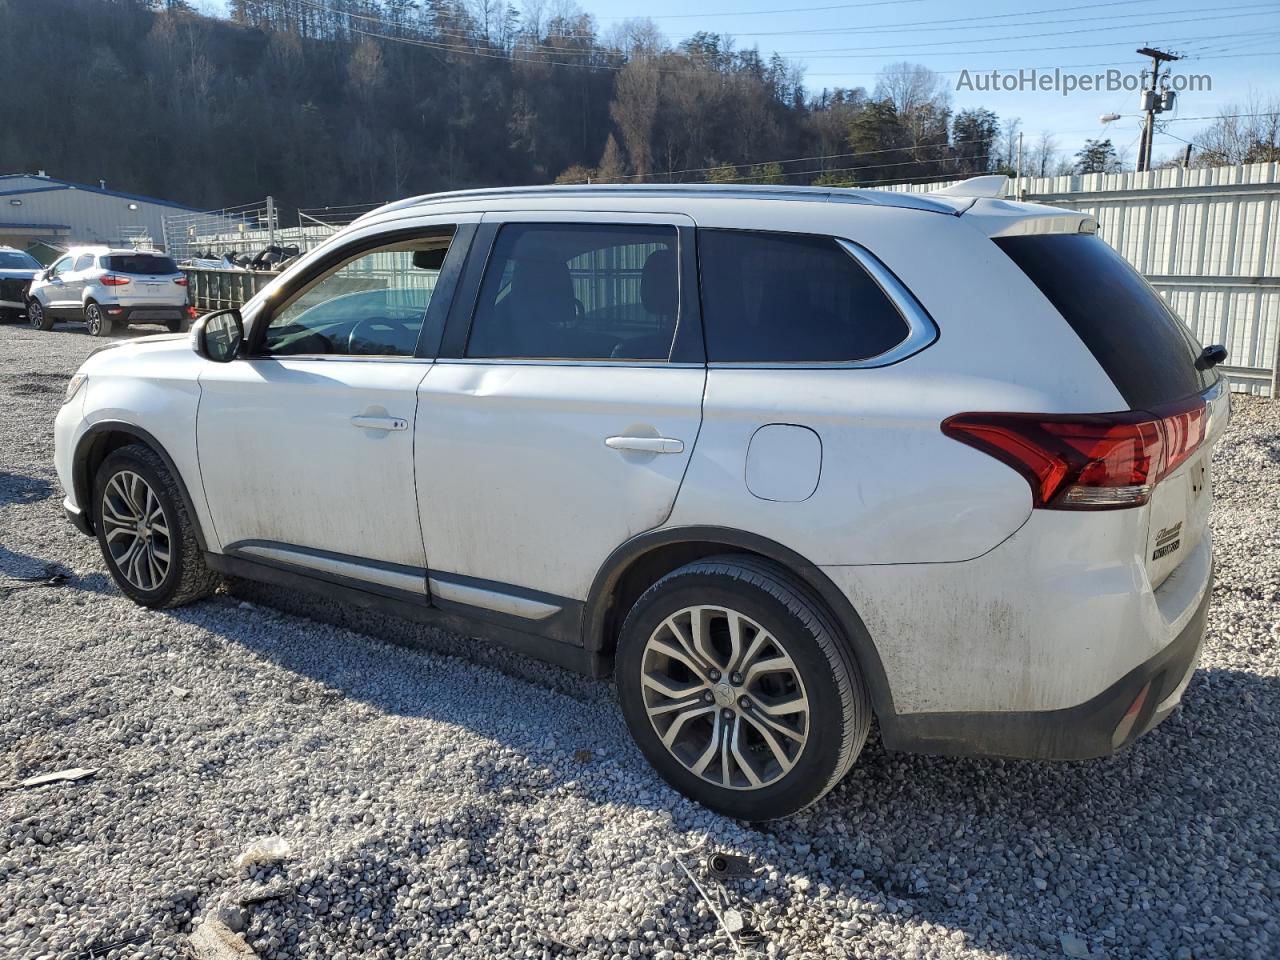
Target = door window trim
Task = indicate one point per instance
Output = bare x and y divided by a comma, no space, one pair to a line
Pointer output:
922,331
442,295
688,348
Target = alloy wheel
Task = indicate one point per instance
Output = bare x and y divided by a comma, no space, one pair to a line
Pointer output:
93,318
35,314
725,697
136,530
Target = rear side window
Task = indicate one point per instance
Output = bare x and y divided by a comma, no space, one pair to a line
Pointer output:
776,297
84,262
1148,353
579,292
131,263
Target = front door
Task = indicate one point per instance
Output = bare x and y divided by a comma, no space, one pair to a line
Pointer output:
56,291
559,418
306,446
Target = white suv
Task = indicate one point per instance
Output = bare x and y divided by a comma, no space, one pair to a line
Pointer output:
780,460
109,288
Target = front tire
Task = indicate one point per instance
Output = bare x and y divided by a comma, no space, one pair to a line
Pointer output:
737,688
38,316
145,532
96,320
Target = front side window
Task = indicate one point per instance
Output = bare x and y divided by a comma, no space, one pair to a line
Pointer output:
373,304
579,292
84,261
61,267
790,298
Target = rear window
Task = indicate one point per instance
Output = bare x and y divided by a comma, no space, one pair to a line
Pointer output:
790,298
134,263
1148,353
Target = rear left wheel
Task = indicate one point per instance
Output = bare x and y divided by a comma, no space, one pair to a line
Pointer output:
736,688
96,320
146,535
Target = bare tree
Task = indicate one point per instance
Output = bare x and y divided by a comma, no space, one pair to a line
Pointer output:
635,109
1248,133
1042,158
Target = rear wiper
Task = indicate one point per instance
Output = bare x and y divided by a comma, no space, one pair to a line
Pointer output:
1211,356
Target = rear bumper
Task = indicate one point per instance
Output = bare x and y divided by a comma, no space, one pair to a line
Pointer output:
1114,718
160,313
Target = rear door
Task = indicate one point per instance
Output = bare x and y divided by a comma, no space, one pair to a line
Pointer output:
560,416
73,282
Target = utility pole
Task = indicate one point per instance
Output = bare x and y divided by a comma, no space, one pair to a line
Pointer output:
1018,191
1153,102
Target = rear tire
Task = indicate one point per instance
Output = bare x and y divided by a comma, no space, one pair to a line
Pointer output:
96,320
176,326
38,316
756,727
145,532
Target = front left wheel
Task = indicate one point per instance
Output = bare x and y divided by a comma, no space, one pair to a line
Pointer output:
146,534
737,688
38,316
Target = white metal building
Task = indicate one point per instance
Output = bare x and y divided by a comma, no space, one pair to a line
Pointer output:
37,208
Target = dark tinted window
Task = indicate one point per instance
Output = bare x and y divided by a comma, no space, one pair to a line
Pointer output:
135,263
579,292
1148,353
13,260
770,297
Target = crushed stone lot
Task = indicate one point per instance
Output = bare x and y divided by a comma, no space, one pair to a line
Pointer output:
450,799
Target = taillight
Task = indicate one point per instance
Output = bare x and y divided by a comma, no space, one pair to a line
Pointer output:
113,280
180,281
1087,461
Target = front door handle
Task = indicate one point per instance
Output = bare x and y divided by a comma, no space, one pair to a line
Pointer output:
380,423
645,444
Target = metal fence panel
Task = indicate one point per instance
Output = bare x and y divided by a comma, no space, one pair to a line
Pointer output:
1207,238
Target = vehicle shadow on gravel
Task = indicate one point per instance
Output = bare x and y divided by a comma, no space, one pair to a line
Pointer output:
21,489
1141,853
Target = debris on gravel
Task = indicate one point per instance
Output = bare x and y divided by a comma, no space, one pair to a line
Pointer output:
444,798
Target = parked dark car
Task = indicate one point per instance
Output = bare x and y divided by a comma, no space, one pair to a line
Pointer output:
17,270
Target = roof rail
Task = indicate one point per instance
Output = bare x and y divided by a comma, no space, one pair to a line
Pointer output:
883,198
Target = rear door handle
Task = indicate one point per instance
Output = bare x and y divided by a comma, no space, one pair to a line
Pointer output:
645,444
380,423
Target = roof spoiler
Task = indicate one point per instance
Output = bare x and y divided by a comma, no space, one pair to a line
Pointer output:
991,186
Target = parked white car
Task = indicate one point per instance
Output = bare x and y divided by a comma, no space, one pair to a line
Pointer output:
108,289
777,459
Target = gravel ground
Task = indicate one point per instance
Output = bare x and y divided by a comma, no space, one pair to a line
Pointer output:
452,800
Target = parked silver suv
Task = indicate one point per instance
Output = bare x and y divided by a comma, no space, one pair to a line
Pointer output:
106,288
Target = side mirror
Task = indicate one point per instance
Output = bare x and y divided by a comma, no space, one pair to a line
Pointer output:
1211,356
218,336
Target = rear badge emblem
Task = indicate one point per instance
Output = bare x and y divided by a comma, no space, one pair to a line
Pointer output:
1167,541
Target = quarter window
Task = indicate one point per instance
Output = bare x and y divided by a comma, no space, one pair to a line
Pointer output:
371,305
579,292
776,297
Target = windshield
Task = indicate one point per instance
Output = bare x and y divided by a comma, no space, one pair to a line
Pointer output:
141,263
14,260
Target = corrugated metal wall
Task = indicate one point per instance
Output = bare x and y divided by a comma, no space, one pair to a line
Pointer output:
1207,238
85,216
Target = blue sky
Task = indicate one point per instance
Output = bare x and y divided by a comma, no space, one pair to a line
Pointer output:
1236,43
